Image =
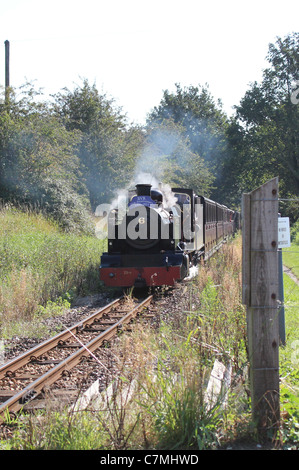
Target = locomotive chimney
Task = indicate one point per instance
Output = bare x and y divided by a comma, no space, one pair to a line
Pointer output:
143,189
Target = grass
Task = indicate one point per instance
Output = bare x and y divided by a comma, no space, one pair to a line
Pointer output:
159,399
289,355
291,254
291,259
40,264
289,365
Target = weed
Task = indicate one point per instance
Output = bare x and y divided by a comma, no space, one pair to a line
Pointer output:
159,399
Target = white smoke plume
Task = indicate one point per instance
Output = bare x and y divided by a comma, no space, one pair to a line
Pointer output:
149,170
121,199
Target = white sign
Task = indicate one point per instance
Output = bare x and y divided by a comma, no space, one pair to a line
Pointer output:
284,237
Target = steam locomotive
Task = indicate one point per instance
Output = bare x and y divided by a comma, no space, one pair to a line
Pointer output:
154,245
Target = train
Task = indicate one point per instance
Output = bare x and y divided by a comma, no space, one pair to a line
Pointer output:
152,245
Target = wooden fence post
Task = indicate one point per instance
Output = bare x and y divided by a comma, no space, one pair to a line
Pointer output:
260,295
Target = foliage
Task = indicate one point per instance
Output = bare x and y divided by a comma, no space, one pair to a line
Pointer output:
295,233
164,371
263,136
291,257
64,157
289,371
108,149
203,125
74,153
158,399
38,264
180,418
39,165
167,155
59,431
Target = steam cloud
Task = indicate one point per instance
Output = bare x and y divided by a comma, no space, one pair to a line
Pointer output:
149,169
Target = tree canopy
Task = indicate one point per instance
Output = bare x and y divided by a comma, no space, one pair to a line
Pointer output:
264,138
73,153
203,124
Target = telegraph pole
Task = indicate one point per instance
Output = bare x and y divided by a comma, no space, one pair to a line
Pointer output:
6,64
7,84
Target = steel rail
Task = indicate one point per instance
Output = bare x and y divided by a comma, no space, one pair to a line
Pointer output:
32,390
19,361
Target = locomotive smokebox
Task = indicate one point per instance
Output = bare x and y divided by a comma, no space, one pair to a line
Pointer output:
143,189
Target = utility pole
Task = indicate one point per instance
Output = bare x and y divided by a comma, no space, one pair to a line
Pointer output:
261,296
6,64
7,84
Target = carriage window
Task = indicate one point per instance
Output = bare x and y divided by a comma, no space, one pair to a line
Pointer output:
211,212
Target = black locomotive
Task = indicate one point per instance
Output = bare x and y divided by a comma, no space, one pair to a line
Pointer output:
153,245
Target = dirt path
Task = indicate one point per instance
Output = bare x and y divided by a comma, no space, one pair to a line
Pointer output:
292,275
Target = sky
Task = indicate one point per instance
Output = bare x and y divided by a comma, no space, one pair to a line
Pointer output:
133,50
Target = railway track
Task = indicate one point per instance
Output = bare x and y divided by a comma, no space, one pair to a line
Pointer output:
32,374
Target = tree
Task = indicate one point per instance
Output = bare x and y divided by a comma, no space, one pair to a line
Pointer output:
167,156
203,123
38,161
108,149
270,118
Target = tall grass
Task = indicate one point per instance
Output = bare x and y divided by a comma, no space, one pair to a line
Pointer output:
39,263
159,399
289,365
159,394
